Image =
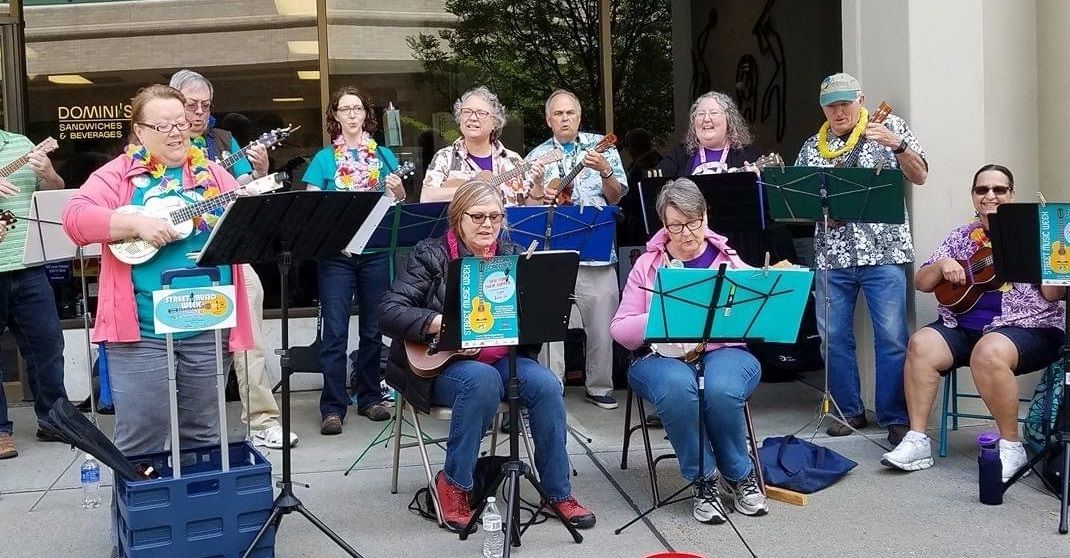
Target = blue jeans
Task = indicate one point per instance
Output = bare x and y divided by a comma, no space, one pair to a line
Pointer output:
731,375
885,287
28,308
474,389
140,390
339,278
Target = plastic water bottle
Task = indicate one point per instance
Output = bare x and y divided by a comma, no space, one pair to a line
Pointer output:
90,482
494,537
989,470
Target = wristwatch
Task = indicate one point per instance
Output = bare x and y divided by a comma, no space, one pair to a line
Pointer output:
607,174
902,147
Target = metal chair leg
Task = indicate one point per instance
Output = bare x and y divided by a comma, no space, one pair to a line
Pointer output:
944,414
651,463
427,465
399,416
627,430
753,445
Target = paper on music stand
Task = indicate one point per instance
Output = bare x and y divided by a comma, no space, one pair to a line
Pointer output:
753,304
1054,223
591,231
45,240
364,234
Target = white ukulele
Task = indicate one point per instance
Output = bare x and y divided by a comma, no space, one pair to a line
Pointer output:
180,215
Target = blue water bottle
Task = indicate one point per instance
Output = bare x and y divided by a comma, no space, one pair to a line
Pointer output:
989,470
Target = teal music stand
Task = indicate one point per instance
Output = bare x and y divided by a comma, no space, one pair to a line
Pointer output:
801,194
824,194
722,306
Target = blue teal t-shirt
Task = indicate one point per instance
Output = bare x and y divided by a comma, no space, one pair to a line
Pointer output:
240,167
146,276
321,170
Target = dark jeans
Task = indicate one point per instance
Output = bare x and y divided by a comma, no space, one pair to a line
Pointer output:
367,275
28,308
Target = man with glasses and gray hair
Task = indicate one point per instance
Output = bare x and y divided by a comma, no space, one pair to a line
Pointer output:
259,407
602,182
872,257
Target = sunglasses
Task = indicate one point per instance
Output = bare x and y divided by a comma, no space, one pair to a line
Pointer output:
997,190
479,218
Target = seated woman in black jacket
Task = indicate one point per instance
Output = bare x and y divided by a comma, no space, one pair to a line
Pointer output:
412,310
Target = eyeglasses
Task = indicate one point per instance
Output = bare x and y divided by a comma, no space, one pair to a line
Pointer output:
677,228
166,128
480,114
996,190
349,111
205,106
479,218
702,114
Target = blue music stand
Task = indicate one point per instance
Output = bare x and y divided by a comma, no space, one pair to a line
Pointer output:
591,231
404,225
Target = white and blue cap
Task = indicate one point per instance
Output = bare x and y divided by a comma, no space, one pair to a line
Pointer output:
839,87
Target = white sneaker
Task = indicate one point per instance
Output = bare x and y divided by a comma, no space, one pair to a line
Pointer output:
707,505
1012,454
914,453
271,437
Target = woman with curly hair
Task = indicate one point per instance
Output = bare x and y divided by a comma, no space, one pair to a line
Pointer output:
718,139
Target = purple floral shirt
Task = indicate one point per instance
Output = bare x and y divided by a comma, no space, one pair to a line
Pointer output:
1022,306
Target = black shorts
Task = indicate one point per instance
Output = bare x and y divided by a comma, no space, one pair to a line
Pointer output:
1037,346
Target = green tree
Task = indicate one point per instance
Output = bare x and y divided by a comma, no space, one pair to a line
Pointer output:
523,49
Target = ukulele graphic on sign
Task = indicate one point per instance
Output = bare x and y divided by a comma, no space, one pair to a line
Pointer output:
1059,261
481,319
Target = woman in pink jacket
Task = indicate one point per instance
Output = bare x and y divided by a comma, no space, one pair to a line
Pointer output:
159,164
664,378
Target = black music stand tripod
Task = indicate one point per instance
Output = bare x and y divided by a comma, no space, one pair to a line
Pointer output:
288,227
1016,241
543,316
820,194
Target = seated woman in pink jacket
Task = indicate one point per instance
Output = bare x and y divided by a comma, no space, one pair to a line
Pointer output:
665,379
160,163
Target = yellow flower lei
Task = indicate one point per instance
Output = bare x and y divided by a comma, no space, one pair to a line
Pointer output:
856,133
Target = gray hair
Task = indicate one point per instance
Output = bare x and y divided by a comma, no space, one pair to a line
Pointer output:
739,133
684,195
185,78
497,111
559,92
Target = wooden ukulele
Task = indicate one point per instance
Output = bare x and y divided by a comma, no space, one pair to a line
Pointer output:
877,117
563,186
427,362
497,180
1059,260
980,278
47,146
267,139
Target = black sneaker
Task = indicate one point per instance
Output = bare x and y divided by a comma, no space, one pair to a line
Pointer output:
896,433
606,401
837,428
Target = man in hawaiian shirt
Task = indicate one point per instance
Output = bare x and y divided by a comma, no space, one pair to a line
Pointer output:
602,182
872,257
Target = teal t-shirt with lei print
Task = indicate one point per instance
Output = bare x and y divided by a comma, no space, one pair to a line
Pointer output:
146,276
321,170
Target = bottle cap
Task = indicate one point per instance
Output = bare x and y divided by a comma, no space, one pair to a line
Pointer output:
988,439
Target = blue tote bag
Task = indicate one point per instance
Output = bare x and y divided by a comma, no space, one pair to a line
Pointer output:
795,464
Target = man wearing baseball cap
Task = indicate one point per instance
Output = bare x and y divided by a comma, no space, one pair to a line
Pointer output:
871,257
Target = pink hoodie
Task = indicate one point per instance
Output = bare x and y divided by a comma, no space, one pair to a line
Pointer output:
629,324
86,220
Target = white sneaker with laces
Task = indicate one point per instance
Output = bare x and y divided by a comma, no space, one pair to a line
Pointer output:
707,505
914,453
271,437
1013,457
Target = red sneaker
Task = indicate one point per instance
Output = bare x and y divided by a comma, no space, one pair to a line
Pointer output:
577,515
454,503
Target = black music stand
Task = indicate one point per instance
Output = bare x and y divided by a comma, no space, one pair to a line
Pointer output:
763,304
298,225
542,316
734,201
819,195
1015,231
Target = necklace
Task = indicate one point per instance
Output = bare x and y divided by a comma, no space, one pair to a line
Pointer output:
357,173
856,133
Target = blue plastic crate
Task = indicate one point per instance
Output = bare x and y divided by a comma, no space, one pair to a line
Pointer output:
205,514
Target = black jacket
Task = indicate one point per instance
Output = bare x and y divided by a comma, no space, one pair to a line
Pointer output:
678,162
412,301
